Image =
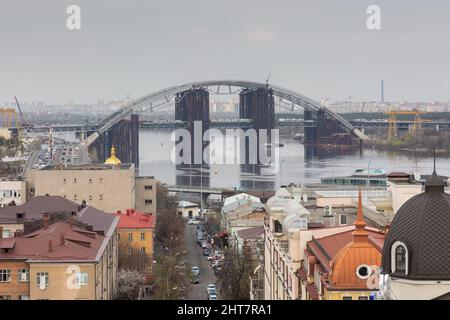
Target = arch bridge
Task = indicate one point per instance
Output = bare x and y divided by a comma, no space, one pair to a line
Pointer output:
191,100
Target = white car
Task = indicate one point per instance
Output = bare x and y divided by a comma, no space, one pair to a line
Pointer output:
195,271
210,288
193,221
212,296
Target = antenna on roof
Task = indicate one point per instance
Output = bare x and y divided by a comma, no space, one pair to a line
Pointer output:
267,79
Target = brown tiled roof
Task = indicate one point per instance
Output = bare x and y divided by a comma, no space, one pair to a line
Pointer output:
36,207
60,241
251,233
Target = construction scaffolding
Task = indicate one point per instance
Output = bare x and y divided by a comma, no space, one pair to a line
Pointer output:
415,127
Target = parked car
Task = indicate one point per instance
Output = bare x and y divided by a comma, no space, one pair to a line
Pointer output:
211,287
195,271
212,297
206,251
193,221
204,244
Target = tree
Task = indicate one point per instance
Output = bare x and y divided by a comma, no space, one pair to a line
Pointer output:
234,277
129,284
133,259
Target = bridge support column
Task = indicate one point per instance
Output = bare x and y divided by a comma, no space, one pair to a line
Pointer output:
257,105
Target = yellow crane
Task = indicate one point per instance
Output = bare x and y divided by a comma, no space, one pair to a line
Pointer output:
416,126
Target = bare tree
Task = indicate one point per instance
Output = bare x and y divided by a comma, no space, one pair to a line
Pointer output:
132,258
234,277
129,284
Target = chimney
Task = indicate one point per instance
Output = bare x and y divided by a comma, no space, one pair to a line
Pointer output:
128,212
45,219
119,212
63,240
50,245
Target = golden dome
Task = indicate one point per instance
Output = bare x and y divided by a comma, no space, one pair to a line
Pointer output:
113,159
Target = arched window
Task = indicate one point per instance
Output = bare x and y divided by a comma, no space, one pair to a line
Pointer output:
399,258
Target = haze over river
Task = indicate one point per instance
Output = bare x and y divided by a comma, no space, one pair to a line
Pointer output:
156,147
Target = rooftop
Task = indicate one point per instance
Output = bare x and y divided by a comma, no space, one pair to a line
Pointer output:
132,219
58,242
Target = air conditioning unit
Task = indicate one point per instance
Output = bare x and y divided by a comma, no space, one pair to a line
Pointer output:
328,211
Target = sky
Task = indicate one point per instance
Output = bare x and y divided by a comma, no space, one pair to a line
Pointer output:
320,48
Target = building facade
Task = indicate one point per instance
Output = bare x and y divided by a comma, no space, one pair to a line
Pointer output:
12,191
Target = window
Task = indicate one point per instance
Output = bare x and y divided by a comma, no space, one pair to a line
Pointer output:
148,187
130,251
42,277
143,249
81,279
130,236
5,275
75,196
75,180
5,297
6,234
100,180
100,197
278,226
64,180
90,180
399,257
118,236
90,197
148,201
142,235
342,219
347,298
363,271
363,298
24,275
24,297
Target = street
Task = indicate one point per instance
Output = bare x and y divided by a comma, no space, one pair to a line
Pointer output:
196,258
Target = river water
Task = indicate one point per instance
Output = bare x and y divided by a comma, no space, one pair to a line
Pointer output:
156,148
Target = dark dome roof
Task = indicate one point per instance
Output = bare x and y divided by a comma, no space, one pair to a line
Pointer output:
423,224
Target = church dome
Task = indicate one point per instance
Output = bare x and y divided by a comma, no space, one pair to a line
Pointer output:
113,160
417,245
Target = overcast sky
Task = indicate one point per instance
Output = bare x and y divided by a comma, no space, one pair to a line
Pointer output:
320,48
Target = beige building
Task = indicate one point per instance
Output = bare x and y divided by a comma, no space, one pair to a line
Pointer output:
12,190
288,228
103,186
60,261
188,210
401,188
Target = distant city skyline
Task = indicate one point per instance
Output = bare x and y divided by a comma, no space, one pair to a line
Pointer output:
319,48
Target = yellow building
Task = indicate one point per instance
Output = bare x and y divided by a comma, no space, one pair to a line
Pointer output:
136,236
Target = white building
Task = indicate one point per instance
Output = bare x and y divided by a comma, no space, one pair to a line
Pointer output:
12,191
188,210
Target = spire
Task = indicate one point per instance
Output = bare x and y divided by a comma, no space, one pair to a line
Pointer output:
360,233
434,183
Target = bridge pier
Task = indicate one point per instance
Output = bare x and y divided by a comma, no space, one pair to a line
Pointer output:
257,105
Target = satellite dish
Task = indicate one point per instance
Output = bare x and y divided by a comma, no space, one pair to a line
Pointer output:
305,197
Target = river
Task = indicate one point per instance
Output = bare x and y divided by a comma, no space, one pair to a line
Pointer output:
156,147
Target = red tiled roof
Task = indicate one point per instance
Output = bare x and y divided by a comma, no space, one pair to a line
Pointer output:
302,274
251,233
132,219
60,241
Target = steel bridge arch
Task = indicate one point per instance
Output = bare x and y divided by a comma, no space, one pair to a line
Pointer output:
166,94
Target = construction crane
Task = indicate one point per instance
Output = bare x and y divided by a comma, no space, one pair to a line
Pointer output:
20,111
417,122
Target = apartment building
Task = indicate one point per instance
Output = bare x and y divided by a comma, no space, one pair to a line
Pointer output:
287,229
12,191
136,233
104,186
60,261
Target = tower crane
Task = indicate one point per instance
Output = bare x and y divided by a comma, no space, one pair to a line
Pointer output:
393,120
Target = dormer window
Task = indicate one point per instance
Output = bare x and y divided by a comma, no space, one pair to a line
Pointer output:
399,258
